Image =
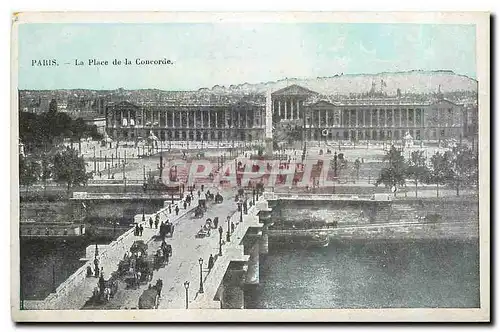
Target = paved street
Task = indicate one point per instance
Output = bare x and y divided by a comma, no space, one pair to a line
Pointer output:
183,265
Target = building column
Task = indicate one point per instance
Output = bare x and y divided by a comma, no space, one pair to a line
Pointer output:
216,119
298,108
385,118
286,109
279,108
414,118
400,111
209,118
290,110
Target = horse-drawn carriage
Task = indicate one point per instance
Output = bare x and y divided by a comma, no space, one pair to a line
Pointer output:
199,212
167,230
218,198
162,255
136,266
150,298
205,229
104,291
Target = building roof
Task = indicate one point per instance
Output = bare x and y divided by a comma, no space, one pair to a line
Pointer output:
294,89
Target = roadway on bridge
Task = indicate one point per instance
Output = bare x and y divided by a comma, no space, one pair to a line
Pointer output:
183,265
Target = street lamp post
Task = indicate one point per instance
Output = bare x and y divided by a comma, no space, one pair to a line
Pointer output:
186,286
228,234
200,261
161,167
220,240
95,168
241,211
54,288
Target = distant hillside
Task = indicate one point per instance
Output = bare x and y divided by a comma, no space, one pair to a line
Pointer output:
417,82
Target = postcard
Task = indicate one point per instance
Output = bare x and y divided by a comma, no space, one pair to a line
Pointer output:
250,167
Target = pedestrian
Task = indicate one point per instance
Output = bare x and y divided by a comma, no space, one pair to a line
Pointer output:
96,267
102,284
159,286
185,205
232,227
210,262
141,229
216,222
177,210
199,193
150,222
170,209
136,229
156,224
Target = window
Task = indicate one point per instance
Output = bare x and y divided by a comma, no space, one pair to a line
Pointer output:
417,135
389,118
442,132
375,118
410,116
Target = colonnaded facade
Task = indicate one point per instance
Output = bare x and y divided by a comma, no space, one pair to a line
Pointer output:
316,116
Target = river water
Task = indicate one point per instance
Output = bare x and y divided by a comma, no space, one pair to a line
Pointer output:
369,274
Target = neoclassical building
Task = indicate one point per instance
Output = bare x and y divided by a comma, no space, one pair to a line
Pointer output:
240,121
318,117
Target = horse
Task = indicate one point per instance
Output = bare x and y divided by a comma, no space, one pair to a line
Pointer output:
198,213
106,294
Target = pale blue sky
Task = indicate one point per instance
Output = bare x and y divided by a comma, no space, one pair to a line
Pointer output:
208,54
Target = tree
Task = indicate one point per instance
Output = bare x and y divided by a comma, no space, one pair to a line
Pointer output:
53,107
357,166
463,168
439,169
29,171
79,129
69,168
45,171
417,169
394,174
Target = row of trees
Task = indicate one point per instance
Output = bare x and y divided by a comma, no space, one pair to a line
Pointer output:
65,167
457,168
44,130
